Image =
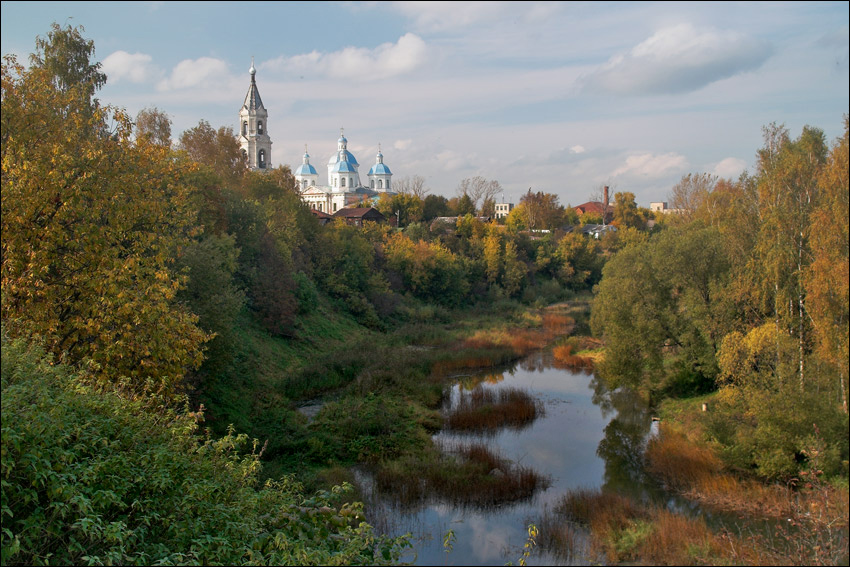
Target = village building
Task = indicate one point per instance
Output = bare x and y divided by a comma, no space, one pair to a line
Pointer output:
503,210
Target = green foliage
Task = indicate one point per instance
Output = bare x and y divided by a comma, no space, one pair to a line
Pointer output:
657,298
94,478
365,429
429,270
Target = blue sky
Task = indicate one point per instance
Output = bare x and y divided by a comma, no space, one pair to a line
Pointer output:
556,97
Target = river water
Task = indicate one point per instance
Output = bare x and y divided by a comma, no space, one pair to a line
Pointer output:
588,438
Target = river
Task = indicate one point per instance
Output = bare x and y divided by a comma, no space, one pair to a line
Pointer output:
588,437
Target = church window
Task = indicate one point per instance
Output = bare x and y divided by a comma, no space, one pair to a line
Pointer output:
261,159
380,183
244,128
372,184
388,184
343,181
260,127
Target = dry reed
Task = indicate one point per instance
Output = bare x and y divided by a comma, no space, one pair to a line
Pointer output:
487,409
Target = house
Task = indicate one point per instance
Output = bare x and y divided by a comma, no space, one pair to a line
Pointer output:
323,218
503,210
357,216
597,230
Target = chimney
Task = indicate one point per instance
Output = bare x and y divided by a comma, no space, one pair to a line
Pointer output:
605,197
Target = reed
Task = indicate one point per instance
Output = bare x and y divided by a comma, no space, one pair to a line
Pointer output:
565,359
487,409
470,475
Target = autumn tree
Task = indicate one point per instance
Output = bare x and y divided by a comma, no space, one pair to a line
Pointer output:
689,194
91,226
826,278
217,149
541,210
406,207
626,212
787,188
155,125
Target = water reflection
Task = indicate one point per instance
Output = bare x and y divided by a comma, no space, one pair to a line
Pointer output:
587,438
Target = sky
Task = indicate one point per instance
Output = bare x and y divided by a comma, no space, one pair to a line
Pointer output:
559,97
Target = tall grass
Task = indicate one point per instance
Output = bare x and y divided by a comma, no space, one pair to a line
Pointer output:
622,530
487,409
565,359
808,524
468,475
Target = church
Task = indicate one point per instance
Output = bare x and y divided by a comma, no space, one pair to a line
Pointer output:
343,188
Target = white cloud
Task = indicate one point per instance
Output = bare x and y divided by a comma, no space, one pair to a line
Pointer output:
133,67
443,16
402,145
577,149
730,168
649,165
679,59
205,71
386,60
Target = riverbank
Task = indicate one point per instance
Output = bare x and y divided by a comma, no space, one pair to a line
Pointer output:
728,517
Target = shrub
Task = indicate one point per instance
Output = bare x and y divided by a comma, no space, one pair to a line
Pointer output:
91,477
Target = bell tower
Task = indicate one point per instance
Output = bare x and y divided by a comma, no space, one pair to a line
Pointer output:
253,127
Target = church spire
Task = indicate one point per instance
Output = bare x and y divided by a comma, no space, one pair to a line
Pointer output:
253,132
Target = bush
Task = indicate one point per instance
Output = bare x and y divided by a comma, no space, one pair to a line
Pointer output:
91,477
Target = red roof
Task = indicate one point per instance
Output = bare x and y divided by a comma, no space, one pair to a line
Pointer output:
358,212
320,215
589,207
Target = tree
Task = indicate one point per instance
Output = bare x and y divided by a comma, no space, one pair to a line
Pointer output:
514,271
90,228
689,194
626,212
435,206
217,149
542,211
407,206
581,264
413,185
67,59
826,278
478,189
155,125
493,256
787,188
464,206
488,208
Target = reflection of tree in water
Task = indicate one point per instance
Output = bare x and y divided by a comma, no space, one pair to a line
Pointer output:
625,437
537,362
472,382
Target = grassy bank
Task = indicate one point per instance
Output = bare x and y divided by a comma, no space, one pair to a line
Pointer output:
379,392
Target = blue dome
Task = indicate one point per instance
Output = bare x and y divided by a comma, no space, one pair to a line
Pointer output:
306,169
344,167
380,169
